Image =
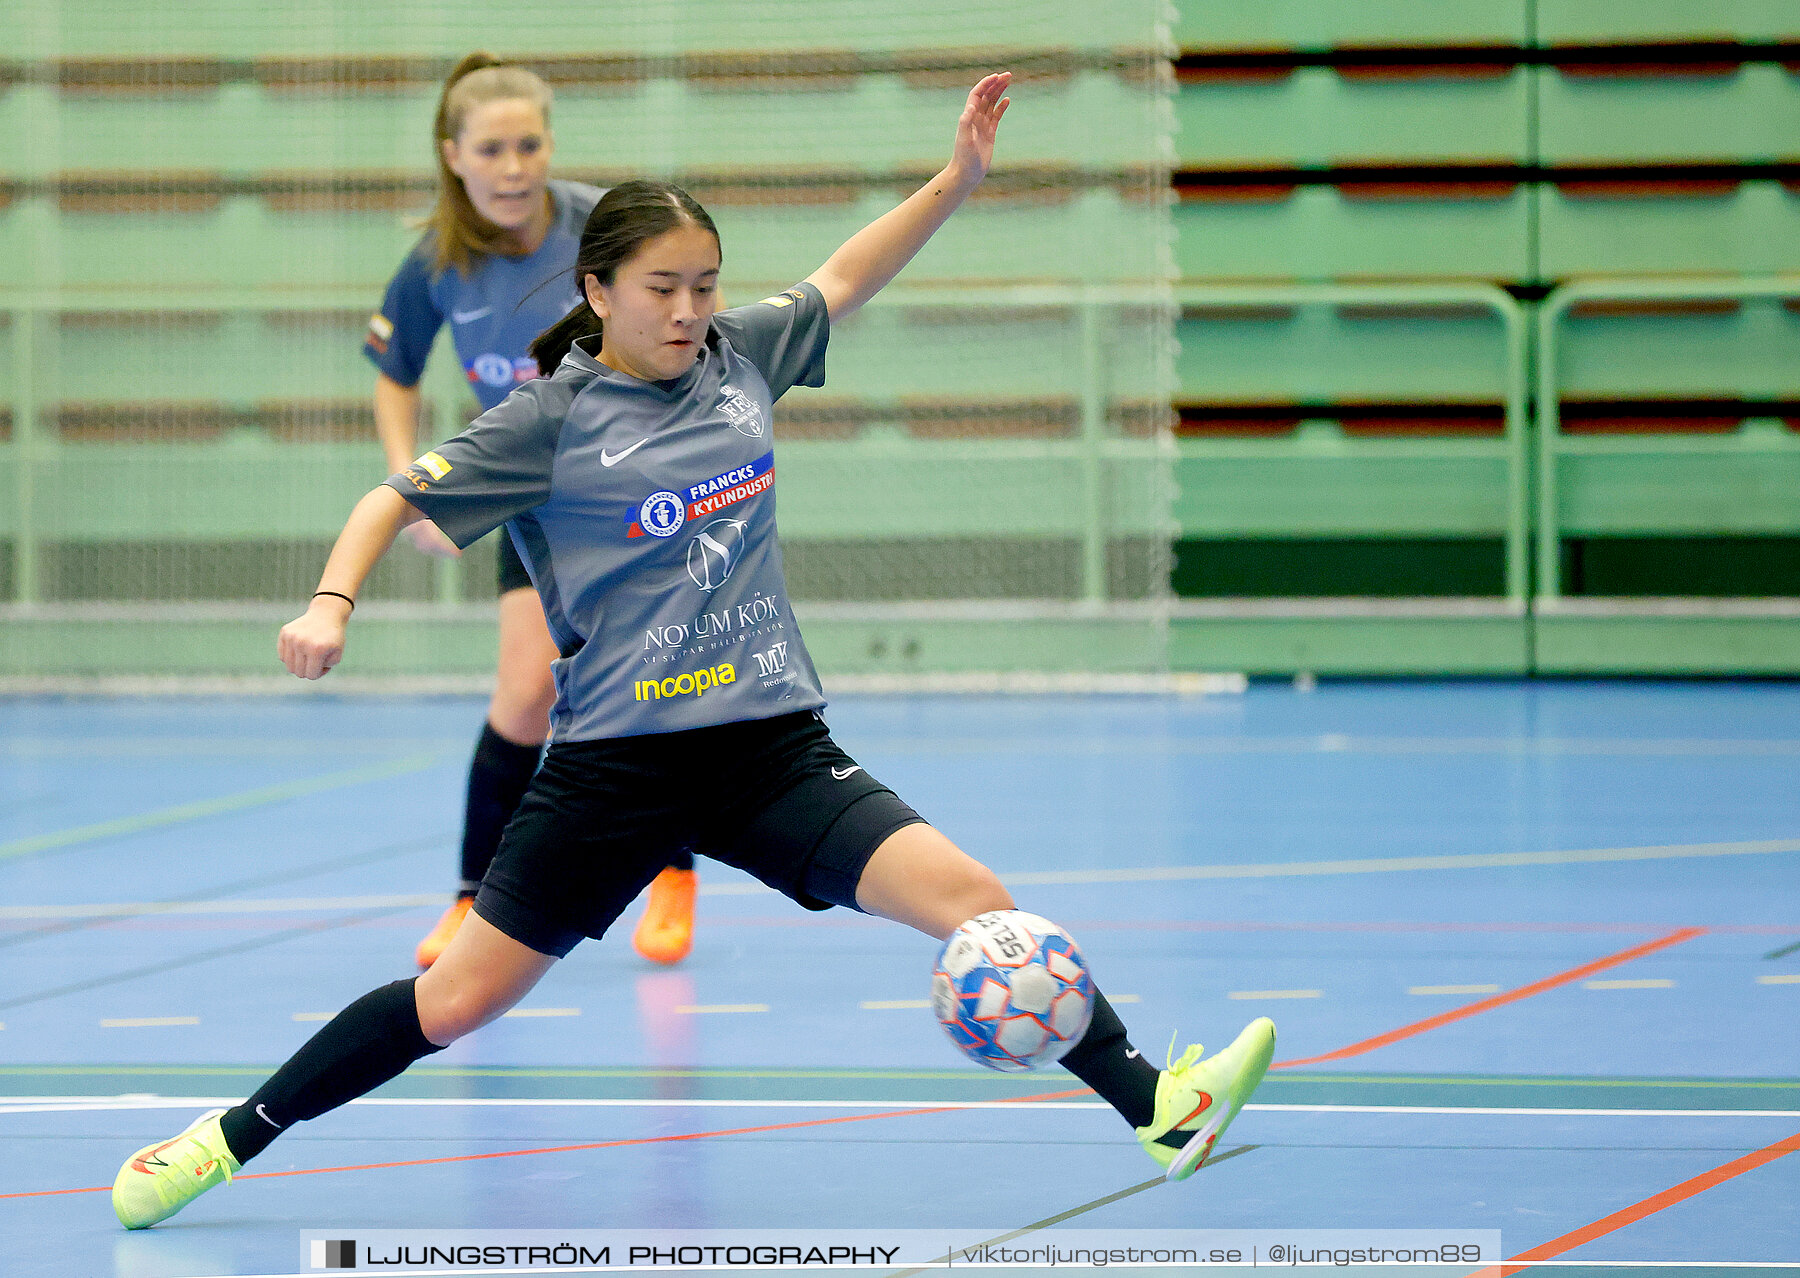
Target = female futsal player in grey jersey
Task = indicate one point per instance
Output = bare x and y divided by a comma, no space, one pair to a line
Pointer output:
493,264
638,482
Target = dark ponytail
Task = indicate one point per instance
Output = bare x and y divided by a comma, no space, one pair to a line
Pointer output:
550,346
625,219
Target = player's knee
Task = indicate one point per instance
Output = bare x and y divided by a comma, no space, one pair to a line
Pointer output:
974,889
446,1014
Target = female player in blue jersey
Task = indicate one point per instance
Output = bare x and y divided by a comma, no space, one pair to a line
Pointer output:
638,481
493,263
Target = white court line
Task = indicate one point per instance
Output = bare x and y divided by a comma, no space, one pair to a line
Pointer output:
107,1104
1784,979
1152,874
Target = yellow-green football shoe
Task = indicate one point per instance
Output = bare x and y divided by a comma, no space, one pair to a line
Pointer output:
1195,1102
159,1180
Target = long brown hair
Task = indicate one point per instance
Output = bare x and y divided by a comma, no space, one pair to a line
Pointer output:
627,217
459,233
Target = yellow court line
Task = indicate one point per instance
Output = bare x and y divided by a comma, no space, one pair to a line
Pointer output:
213,807
1149,874
1784,979
1398,864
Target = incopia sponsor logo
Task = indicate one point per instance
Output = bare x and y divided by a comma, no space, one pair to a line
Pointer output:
687,685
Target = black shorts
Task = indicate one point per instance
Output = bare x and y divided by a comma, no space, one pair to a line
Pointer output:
776,798
511,569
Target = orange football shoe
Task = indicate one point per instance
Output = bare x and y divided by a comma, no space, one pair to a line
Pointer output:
439,937
666,932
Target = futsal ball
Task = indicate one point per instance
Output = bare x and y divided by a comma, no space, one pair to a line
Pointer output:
1012,990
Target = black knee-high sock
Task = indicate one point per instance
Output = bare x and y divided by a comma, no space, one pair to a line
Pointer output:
1106,1061
499,775
366,1044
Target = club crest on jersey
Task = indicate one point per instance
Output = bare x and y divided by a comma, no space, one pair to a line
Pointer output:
741,411
662,514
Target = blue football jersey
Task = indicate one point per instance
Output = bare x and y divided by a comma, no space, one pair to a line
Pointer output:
495,311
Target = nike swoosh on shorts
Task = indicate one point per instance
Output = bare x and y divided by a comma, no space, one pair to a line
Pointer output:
613,459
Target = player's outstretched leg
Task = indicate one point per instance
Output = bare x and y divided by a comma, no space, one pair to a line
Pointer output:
666,932
918,877
482,974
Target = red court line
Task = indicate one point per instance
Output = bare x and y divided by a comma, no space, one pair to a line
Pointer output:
1500,1000
1355,1049
1637,1211
567,1149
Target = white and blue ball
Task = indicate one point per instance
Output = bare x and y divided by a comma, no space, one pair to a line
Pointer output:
1012,990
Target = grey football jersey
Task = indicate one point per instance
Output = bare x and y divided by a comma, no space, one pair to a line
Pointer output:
645,513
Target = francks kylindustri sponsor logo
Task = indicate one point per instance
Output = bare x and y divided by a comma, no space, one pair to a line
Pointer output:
662,514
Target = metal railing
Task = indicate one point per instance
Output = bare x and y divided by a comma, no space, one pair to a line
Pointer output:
1551,445
1514,443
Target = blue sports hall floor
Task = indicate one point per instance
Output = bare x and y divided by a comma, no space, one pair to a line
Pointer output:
1533,950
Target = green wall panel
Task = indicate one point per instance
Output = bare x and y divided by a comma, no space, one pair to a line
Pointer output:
1316,116
1329,486
1314,24
1317,234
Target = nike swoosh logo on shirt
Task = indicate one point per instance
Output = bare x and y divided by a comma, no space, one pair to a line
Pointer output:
469,317
613,459
844,774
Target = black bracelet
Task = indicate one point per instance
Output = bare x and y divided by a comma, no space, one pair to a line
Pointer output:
335,595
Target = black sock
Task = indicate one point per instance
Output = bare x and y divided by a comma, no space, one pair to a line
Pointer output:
1106,1061
366,1044
499,775
682,860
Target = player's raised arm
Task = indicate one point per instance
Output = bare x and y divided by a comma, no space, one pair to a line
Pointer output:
875,254
312,643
